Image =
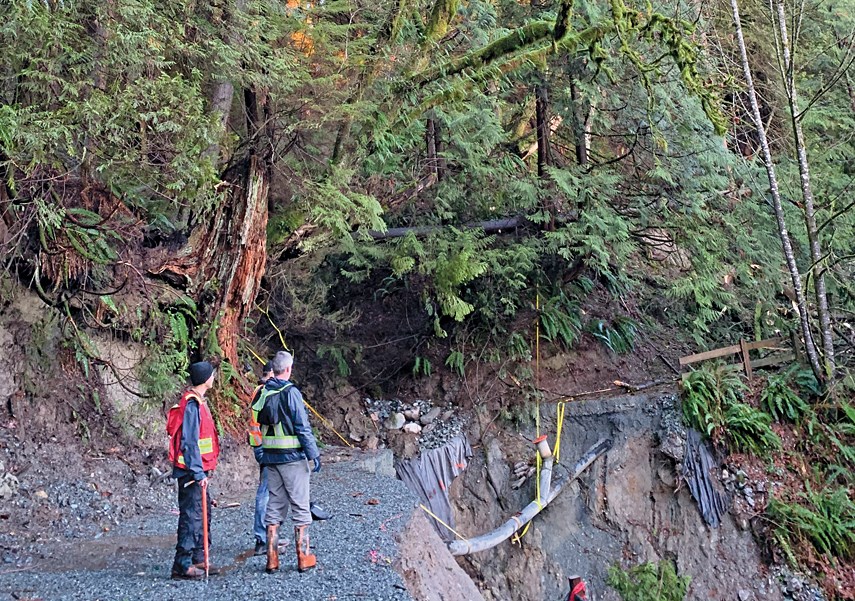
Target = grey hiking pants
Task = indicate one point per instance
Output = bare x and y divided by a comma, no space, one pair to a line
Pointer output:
289,486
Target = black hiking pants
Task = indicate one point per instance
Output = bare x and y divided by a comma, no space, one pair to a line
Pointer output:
189,549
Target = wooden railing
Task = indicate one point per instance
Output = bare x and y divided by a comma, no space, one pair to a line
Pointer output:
789,347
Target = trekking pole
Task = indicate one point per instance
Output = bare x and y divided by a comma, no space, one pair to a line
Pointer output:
205,526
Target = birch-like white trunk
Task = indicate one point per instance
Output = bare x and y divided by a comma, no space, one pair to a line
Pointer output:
783,234
788,74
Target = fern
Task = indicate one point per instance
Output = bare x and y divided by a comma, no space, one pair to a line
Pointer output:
336,353
422,366
781,401
619,336
707,394
649,582
455,362
560,320
826,519
748,430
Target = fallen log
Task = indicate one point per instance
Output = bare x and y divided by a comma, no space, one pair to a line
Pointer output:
494,225
517,522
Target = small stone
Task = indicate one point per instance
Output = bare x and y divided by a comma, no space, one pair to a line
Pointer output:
430,416
750,501
395,421
412,428
744,595
371,443
741,478
8,486
748,491
447,415
40,494
412,414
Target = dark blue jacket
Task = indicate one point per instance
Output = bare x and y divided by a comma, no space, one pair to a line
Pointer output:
190,443
291,403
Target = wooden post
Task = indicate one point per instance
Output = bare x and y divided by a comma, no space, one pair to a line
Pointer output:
746,359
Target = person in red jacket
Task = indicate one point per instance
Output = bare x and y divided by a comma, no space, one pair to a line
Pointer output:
194,449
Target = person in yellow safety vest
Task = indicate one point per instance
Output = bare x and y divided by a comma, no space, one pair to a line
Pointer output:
262,492
289,445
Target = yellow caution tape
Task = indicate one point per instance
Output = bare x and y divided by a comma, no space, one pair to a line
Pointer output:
559,412
438,519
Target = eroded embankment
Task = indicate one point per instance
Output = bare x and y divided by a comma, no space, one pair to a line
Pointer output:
628,507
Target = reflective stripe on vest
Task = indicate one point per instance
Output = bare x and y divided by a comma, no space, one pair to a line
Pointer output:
206,445
279,440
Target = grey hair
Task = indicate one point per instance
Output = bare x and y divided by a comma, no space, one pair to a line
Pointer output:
282,361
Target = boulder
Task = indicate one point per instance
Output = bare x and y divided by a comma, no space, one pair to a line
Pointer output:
430,416
412,428
395,421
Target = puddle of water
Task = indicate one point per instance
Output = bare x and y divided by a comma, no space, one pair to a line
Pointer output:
132,553
94,555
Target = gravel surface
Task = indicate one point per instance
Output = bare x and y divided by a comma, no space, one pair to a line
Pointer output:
355,552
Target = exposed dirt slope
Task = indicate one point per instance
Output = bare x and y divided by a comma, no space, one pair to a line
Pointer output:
628,508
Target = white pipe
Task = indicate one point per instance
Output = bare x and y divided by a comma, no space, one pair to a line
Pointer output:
547,494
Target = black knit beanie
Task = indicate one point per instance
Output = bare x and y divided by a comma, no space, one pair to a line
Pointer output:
200,372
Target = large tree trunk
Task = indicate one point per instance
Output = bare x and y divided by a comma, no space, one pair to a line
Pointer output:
225,258
788,74
783,234
226,254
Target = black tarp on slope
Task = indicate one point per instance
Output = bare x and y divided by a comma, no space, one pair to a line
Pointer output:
698,466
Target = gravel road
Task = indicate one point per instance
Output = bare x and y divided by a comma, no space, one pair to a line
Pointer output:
355,551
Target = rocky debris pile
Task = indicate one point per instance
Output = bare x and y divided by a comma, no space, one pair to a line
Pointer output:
432,426
796,586
672,433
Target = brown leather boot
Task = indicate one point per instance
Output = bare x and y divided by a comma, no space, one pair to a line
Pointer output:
305,559
272,548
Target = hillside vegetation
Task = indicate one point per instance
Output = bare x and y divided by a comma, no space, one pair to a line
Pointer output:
394,188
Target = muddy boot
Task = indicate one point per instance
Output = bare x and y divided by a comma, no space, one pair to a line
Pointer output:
212,571
305,560
192,573
272,548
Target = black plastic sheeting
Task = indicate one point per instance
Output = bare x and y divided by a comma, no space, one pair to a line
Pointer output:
698,466
430,474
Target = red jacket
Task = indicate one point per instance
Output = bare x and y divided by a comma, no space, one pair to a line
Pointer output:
202,445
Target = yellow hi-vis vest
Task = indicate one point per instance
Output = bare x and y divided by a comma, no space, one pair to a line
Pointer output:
254,431
273,437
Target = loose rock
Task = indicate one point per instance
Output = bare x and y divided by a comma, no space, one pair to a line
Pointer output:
430,416
395,421
412,428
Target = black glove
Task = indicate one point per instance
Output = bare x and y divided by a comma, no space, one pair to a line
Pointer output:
317,462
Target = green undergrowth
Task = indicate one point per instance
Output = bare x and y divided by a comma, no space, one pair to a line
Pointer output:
649,582
811,512
713,404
